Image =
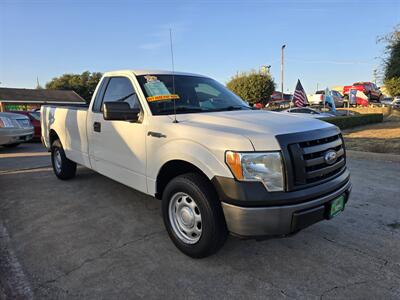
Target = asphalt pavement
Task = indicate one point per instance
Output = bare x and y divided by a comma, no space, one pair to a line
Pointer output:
94,238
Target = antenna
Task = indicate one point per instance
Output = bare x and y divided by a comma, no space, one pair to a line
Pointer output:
173,73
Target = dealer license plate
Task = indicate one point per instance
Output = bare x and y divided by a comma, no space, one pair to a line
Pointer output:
337,206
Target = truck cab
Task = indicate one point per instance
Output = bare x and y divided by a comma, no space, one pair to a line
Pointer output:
217,165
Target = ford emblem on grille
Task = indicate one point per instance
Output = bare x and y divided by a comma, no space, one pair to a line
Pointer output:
330,157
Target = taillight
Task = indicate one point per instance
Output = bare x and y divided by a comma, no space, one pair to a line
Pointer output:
321,97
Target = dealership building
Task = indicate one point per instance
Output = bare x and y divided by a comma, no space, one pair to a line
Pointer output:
31,99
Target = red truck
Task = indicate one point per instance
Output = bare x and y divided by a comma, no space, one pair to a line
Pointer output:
368,88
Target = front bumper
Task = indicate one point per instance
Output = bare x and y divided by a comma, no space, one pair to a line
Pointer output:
15,135
278,220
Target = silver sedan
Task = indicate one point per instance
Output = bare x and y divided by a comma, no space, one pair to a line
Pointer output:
14,129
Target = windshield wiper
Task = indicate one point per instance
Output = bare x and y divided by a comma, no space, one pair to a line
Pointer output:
233,107
181,109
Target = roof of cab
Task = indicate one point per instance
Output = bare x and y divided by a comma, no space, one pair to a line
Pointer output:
151,72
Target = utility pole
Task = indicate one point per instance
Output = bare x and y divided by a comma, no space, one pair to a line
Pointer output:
282,69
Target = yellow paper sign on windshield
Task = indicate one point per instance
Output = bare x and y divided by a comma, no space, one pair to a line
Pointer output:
162,97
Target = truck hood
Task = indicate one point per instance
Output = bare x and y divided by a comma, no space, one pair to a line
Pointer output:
259,126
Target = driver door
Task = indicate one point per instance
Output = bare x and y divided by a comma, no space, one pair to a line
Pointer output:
118,148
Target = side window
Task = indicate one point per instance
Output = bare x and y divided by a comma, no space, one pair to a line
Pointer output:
121,89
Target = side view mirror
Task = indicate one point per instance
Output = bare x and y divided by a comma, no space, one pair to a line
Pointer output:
120,111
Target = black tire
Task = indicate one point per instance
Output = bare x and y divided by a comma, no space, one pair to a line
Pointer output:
67,168
11,145
213,226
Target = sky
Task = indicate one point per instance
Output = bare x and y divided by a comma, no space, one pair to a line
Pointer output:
327,42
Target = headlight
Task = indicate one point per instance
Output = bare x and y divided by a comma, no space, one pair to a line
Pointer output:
5,122
256,166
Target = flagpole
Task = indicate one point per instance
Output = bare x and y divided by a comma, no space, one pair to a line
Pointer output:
282,70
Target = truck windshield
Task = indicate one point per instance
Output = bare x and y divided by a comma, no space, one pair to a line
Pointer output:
192,94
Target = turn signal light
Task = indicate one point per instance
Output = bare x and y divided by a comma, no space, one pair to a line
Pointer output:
233,160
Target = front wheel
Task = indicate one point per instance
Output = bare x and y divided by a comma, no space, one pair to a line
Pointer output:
62,166
193,215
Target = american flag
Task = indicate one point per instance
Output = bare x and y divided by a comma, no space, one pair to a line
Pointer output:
300,97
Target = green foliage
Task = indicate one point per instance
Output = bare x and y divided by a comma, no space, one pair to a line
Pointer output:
344,122
393,86
83,84
252,86
392,61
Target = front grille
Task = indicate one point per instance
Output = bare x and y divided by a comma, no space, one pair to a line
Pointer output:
304,156
309,161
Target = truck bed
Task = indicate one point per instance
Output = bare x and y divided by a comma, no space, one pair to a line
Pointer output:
69,121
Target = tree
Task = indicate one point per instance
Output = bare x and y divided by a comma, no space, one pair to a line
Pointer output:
252,86
392,61
393,86
83,84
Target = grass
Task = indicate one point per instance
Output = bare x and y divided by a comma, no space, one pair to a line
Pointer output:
380,138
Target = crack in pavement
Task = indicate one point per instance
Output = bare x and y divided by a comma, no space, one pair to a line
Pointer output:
383,260
273,285
102,254
324,293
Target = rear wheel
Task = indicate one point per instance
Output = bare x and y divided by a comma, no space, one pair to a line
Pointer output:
62,166
193,215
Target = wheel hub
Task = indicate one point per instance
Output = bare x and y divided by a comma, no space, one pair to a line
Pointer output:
57,160
185,218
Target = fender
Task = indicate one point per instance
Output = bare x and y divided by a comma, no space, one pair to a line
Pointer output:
189,151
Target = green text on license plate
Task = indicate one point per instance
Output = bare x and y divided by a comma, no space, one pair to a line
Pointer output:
337,206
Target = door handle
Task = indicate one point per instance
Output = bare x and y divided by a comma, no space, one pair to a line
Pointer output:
97,126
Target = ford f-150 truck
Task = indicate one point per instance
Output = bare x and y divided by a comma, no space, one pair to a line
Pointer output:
217,165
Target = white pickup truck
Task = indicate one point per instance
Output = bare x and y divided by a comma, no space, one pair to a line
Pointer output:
217,165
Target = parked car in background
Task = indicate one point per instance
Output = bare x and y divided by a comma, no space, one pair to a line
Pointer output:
308,112
387,100
34,117
368,88
396,103
318,98
14,129
277,98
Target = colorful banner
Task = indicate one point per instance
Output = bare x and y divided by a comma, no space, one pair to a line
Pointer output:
21,107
